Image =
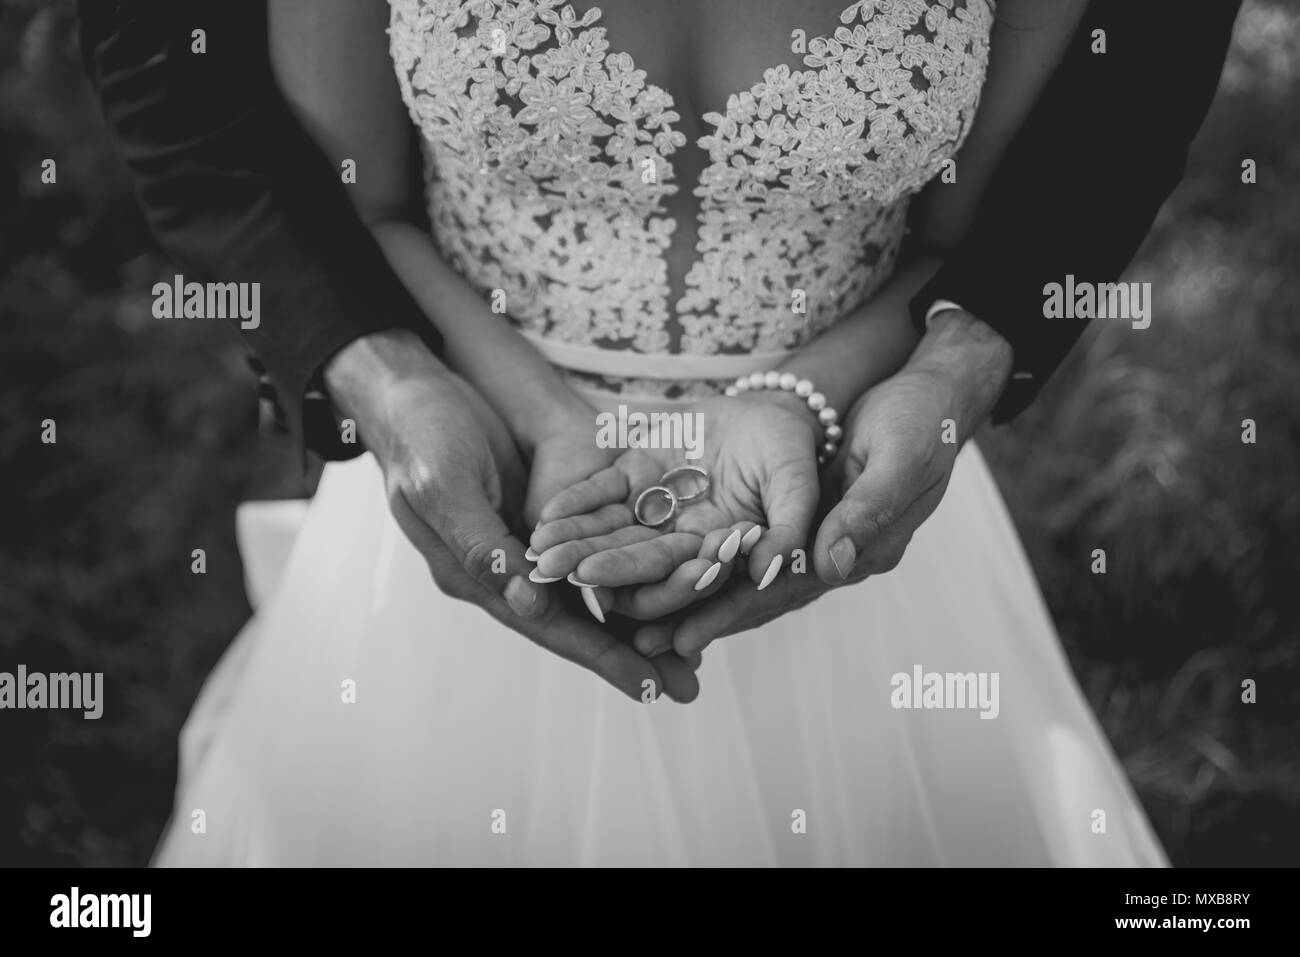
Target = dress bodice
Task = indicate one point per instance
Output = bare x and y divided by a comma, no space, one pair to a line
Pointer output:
550,160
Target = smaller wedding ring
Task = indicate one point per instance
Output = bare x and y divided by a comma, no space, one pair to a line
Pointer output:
655,506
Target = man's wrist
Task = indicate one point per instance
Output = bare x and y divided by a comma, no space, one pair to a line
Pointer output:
361,370
972,355
362,379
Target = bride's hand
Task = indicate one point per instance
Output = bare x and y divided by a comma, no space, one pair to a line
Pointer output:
760,452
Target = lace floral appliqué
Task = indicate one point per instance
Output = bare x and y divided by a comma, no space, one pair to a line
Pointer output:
548,156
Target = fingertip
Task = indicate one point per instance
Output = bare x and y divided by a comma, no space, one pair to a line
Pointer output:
592,602
760,559
730,546
557,562
842,555
526,599
680,683
709,576
688,642
773,569
711,546
689,690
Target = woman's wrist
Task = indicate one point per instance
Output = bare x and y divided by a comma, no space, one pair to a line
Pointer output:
869,344
801,398
552,411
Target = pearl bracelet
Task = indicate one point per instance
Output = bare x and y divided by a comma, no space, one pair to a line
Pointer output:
804,389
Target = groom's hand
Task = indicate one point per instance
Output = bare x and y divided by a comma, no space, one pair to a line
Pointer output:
448,463
904,436
451,470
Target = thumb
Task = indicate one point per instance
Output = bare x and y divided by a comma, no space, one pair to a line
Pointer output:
459,514
890,480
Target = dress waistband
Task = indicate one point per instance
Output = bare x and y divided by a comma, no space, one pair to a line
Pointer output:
619,363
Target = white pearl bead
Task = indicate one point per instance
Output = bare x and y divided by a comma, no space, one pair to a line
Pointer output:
834,433
816,401
742,384
731,391
803,388
788,381
829,450
772,380
827,416
756,380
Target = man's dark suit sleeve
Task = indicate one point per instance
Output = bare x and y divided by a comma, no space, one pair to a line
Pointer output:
235,192
1082,183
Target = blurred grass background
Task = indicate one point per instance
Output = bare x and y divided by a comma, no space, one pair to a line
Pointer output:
1135,448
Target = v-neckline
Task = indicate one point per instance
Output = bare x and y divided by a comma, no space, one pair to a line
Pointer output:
699,119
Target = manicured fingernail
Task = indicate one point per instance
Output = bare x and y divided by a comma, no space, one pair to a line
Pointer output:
520,596
572,579
536,576
751,539
770,574
843,555
707,578
532,554
593,606
730,547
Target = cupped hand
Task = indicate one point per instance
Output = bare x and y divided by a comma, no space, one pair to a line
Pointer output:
902,441
760,452
450,478
892,474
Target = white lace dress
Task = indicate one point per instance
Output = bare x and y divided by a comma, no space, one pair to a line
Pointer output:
363,717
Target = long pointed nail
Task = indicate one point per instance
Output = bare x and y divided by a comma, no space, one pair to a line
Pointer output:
536,576
707,578
730,547
751,539
572,579
593,606
770,574
532,554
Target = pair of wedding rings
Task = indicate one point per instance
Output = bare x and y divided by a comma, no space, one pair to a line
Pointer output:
658,505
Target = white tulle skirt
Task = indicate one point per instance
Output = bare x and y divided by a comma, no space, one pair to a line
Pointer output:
468,745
